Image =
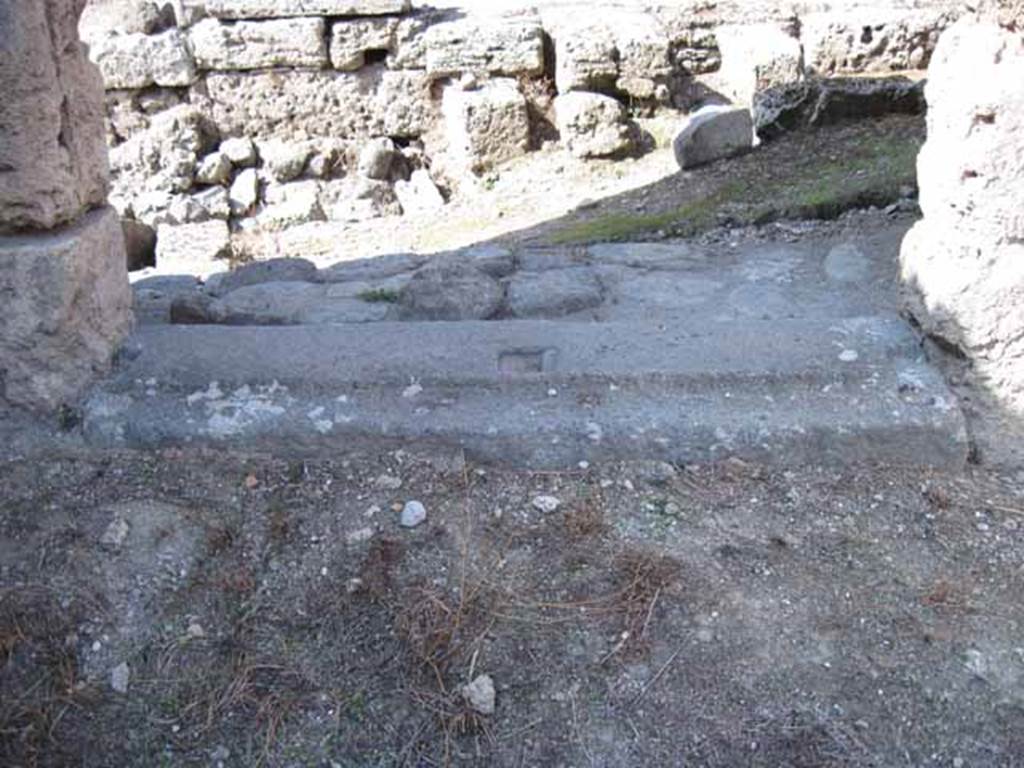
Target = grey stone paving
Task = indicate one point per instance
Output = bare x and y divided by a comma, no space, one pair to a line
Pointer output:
779,351
542,393
648,282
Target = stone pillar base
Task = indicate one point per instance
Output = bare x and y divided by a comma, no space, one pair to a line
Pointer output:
963,265
65,306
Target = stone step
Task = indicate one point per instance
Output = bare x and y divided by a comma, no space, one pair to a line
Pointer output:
542,394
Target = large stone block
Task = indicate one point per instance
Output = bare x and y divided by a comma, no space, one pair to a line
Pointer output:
694,46
487,126
138,61
450,291
290,204
554,292
409,43
506,47
963,265
284,160
372,102
53,157
268,9
378,158
617,51
244,192
645,63
419,195
826,101
586,62
353,39
259,44
259,272
105,17
713,133
871,39
592,125
65,306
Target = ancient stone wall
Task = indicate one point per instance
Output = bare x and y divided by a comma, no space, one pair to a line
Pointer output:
259,114
64,297
964,263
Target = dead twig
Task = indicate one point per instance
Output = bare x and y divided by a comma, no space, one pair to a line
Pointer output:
521,730
650,612
651,683
623,639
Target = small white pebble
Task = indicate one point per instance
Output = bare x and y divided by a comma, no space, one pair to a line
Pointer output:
120,676
115,534
480,694
413,514
546,504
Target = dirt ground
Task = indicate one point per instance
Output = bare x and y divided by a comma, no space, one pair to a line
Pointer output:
274,612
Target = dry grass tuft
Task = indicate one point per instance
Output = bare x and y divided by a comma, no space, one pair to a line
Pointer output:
264,692
947,597
239,581
378,569
439,631
220,539
40,689
643,577
585,519
444,632
210,685
938,498
279,527
438,628
454,716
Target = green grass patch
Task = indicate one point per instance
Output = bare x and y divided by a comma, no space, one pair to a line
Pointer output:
688,219
380,296
870,171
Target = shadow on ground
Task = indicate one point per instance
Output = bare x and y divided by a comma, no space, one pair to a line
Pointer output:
813,174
